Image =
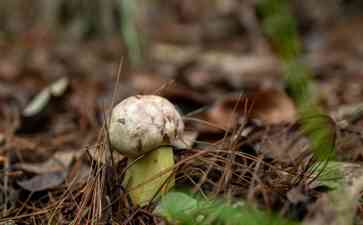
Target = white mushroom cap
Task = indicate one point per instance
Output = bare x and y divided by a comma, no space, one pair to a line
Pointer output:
142,123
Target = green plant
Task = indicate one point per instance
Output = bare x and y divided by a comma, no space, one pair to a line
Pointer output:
132,38
181,208
280,26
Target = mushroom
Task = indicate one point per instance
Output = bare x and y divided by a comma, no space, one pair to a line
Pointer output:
144,128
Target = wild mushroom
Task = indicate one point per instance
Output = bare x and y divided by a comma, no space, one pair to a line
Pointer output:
144,128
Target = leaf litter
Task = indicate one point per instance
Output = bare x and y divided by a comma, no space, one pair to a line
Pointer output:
244,139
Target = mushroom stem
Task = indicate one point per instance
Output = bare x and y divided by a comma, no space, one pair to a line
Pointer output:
145,178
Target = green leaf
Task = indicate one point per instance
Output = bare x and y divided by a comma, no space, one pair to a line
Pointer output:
175,204
180,208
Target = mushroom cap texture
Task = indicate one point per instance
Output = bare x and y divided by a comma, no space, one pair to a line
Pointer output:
142,123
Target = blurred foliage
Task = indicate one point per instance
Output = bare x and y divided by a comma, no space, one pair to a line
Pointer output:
281,27
129,11
76,20
183,209
332,176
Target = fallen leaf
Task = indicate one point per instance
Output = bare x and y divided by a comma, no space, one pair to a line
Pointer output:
272,107
38,103
58,162
34,114
59,87
268,106
50,173
44,181
240,69
41,100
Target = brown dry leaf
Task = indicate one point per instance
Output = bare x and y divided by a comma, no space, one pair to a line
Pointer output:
268,106
235,69
44,181
60,161
51,173
222,115
273,107
238,69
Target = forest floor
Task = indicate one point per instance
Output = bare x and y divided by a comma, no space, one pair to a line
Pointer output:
243,130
